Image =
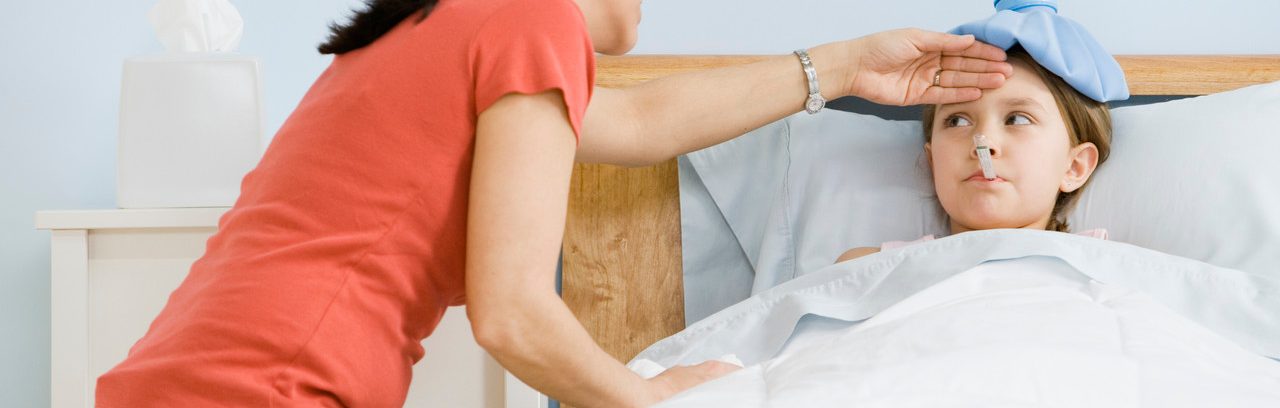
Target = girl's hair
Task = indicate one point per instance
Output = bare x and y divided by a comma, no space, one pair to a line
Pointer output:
1087,121
378,17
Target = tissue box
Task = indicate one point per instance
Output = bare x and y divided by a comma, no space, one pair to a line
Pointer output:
190,128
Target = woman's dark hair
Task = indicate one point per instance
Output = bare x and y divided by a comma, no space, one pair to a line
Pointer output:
378,17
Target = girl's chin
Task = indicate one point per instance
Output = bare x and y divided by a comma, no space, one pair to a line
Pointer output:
986,211
985,221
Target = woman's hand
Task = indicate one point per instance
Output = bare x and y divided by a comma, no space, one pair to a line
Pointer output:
898,67
680,378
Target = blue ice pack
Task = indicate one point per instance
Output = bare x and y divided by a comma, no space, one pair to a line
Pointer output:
1059,44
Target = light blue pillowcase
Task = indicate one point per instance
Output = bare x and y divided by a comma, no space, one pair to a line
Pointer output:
790,197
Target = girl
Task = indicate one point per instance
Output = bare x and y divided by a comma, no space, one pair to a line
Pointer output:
1046,140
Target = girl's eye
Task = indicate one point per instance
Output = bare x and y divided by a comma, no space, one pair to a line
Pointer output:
1018,119
954,121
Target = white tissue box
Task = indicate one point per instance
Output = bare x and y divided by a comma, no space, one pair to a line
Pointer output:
190,128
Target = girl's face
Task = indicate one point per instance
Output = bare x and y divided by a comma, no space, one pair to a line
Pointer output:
1030,150
612,24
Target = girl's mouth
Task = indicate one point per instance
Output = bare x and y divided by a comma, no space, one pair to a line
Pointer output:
979,177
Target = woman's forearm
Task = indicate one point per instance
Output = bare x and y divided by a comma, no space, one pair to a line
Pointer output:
720,104
539,340
681,113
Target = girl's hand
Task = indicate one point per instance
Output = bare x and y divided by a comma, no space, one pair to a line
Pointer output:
898,67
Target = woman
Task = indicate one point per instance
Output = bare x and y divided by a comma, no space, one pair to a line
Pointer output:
441,139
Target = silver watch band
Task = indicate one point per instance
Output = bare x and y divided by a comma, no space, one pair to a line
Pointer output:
815,102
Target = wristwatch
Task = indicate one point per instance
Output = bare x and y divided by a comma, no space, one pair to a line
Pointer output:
815,101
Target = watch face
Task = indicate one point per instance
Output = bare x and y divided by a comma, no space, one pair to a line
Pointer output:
813,105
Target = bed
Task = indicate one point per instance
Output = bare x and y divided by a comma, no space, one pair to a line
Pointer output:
622,270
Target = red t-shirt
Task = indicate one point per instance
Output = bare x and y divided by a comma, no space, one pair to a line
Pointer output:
349,236
371,172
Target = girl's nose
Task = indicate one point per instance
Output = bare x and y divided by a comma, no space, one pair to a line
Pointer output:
989,142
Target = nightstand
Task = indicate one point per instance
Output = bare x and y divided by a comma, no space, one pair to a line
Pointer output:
113,270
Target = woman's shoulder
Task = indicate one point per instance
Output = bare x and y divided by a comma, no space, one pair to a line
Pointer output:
533,46
523,16
549,33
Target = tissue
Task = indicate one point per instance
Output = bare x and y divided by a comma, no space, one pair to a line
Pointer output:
197,25
190,129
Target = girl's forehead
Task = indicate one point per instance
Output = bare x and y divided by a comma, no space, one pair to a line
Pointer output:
1024,79
1024,89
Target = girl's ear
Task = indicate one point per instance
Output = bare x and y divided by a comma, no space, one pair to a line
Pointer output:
928,154
1084,159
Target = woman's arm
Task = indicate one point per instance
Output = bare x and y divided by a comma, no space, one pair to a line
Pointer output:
519,194
661,119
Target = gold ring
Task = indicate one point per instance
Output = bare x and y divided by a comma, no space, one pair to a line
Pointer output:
937,77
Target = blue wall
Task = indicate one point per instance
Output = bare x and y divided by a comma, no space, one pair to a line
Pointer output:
60,68
1125,27
60,71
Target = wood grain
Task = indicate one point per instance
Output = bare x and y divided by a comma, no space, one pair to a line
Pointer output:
1196,74
1146,74
622,259
622,274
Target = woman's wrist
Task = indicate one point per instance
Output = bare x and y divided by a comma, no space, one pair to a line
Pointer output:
837,67
656,389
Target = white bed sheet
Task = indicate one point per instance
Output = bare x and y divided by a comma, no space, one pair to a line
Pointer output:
996,318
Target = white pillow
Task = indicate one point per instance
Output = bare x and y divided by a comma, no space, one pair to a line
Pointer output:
1197,177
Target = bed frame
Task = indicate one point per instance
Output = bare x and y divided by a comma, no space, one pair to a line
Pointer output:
622,261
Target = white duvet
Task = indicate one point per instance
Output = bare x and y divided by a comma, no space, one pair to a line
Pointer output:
995,318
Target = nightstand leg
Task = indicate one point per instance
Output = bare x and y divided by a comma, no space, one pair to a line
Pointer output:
69,312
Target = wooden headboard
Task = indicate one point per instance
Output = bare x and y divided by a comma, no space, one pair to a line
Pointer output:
622,260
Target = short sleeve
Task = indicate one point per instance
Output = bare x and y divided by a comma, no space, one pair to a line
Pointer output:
530,47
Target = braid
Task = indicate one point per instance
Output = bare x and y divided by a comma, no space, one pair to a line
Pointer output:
1058,217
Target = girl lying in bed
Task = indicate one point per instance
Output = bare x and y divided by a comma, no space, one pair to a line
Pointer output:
1045,139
